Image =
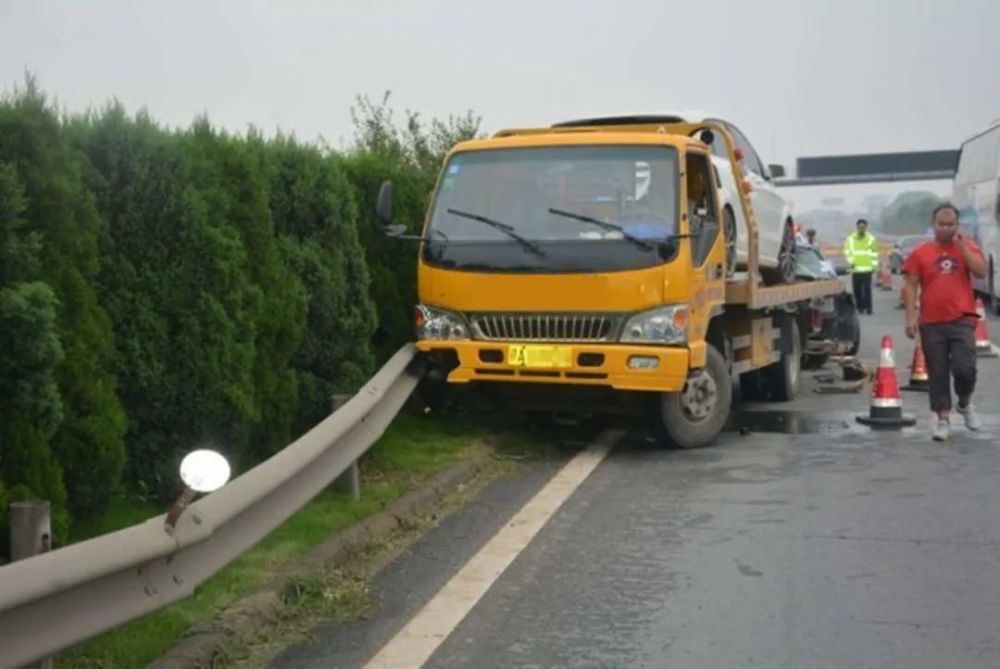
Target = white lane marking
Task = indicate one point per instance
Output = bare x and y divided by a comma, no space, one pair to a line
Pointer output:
416,642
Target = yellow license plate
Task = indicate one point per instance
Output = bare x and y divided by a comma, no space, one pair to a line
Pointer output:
544,357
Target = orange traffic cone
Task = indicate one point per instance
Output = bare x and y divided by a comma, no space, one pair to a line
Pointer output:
984,347
919,379
887,404
885,278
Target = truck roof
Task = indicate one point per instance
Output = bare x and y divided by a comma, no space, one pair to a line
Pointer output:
550,136
687,116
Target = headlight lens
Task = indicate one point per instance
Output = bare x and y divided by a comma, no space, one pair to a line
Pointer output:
664,325
438,324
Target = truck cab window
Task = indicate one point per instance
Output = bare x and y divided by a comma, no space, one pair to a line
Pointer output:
702,207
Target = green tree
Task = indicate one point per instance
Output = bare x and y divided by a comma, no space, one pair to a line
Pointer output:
313,209
414,143
30,357
163,289
234,174
89,441
410,155
20,248
175,280
30,406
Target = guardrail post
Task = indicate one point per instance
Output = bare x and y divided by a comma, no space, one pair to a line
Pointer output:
349,482
30,535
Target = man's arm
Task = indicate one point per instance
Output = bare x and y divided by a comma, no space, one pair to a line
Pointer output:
973,258
910,284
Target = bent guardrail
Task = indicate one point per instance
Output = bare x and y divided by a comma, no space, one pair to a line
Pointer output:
58,599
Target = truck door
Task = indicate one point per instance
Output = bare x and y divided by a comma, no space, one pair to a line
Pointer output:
708,278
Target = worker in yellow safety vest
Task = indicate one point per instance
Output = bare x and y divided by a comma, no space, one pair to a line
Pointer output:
861,253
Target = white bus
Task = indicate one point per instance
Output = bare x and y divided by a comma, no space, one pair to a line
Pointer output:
977,196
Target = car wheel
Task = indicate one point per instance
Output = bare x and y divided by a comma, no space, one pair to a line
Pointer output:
788,267
787,262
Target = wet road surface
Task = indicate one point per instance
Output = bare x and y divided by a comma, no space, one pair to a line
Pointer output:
809,542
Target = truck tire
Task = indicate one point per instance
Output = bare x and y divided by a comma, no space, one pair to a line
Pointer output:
782,378
752,386
695,416
434,395
778,382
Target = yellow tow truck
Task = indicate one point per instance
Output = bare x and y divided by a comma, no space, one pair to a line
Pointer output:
590,263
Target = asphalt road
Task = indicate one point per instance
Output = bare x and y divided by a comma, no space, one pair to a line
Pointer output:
810,542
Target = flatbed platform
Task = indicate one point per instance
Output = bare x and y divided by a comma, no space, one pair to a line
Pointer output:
744,292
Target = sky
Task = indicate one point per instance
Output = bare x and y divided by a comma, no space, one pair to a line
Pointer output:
813,77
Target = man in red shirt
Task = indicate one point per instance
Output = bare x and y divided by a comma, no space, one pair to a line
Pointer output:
947,315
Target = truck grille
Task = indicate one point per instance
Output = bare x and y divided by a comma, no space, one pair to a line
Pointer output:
544,327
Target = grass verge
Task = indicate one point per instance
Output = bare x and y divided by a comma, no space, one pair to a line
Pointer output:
412,448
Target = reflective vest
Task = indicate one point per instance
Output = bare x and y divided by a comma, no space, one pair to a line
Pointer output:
861,252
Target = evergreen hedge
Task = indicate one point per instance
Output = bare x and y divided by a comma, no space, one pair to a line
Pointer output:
165,289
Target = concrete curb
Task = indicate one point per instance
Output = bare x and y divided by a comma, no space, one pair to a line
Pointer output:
203,643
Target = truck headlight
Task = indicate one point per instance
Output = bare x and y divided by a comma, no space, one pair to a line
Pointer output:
664,325
439,324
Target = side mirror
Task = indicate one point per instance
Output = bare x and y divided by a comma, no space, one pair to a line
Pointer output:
777,171
383,208
395,230
696,223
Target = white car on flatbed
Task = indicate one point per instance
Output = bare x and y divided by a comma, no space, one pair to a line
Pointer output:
776,230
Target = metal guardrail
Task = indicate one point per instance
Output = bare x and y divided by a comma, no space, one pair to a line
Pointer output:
58,599
930,175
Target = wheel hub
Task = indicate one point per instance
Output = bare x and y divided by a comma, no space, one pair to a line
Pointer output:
699,397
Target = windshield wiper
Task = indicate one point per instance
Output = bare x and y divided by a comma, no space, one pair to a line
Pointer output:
502,227
644,245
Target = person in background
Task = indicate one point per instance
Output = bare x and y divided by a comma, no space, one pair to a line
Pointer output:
811,238
942,269
861,253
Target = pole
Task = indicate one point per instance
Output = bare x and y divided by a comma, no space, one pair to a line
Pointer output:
30,535
349,482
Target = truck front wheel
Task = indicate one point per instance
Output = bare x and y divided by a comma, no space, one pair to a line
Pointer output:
694,417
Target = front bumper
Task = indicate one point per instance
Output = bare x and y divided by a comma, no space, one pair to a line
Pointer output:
590,364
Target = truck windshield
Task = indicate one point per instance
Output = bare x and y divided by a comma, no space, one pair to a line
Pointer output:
582,208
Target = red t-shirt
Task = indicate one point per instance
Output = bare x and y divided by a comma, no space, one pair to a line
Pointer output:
945,281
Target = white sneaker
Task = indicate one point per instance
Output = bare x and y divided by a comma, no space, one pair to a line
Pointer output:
943,430
968,413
